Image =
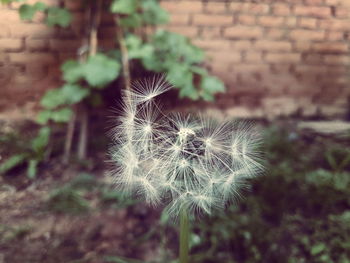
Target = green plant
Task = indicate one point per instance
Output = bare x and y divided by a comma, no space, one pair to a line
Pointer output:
161,52
31,153
70,197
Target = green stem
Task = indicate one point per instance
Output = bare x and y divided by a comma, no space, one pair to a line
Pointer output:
184,234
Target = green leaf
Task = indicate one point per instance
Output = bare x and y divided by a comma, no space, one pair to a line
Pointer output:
68,94
153,13
27,12
100,70
212,84
206,95
32,168
189,91
72,71
131,21
199,70
180,75
317,249
12,162
126,7
136,49
58,16
41,140
43,117
40,6
53,98
62,115
74,93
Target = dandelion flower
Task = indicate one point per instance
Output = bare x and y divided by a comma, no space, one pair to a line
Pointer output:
186,162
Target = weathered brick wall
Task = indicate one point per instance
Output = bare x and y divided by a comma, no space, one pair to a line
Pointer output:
277,57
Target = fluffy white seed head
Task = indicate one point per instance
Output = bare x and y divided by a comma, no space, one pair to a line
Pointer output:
183,161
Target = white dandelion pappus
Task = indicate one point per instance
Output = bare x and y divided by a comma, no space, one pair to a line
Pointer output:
184,161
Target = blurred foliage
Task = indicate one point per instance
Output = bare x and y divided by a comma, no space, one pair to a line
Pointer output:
298,212
11,233
31,153
71,197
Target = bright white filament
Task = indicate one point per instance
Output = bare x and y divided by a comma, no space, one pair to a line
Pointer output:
183,161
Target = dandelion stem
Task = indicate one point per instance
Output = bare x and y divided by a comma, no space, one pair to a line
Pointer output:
184,234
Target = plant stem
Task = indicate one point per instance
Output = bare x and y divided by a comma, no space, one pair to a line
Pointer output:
69,137
184,234
124,52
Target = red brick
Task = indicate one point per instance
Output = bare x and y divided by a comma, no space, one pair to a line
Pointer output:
247,20
341,25
183,6
37,58
274,33
63,56
315,11
334,36
331,47
242,45
337,59
253,56
281,9
107,19
212,20
8,44
313,59
302,45
179,19
107,32
308,23
301,34
271,21
211,7
73,5
10,16
32,30
219,69
314,2
36,72
210,32
256,67
252,8
291,22
36,44
320,69
31,2
334,2
213,44
243,32
107,43
64,45
224,57
5,30
188,31
273,45
283,57
342,12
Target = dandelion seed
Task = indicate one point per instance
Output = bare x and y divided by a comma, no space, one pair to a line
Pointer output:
180,160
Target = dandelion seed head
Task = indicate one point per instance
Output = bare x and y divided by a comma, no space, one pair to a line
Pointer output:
180,160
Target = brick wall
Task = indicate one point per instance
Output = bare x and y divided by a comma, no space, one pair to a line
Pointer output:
277,57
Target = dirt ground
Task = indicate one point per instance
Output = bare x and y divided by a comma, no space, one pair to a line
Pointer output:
30,231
